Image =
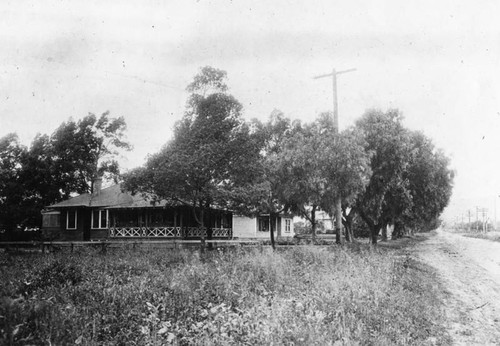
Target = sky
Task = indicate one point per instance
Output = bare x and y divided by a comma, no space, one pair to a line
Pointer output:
436,61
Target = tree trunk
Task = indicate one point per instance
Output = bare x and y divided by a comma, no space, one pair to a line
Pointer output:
335,228
201,222
374,228
397,232
209,227
338,221
200,219
272,219
347,222
374,231
384,233
313,223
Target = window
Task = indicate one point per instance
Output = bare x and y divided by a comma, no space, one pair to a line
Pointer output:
264,224
288,226
71,219
51,219
99,219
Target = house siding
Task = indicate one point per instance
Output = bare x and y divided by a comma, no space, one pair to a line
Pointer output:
244,227
247,227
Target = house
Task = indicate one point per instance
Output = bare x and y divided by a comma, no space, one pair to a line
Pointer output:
111,213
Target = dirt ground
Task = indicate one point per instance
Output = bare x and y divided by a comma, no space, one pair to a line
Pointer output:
470,269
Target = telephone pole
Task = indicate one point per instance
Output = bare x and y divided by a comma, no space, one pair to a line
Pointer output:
338,200
468,225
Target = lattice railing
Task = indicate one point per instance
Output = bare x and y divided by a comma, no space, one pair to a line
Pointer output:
152,232
168,232
222,232
126,232
196,232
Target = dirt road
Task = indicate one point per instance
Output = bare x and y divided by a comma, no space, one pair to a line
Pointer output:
470,269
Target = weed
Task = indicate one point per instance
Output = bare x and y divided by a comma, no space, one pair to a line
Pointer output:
297,295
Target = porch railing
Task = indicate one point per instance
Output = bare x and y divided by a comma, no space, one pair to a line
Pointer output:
222,232
168,232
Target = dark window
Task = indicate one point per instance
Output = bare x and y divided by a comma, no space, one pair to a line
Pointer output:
104,219
51,220
95,219
71,219
264,225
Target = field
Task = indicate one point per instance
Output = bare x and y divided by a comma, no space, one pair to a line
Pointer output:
297,295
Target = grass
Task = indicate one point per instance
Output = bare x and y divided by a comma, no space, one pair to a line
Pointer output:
307,295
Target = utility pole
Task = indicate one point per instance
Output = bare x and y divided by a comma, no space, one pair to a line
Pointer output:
338,200
495,226
477,218
468,226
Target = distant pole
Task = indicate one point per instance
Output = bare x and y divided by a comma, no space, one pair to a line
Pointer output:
495,228
468,226
338,199
477,218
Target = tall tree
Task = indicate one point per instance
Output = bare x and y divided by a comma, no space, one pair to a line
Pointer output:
347,168
430,183
269,189
387,194
55,167
319,165
207,161
11,194
38,181
411,182
87,149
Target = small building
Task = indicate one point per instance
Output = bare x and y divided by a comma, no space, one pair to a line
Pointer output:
111,213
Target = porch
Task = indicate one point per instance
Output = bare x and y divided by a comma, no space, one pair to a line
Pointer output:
170,223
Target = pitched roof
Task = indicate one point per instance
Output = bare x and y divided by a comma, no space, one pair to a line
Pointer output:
111,197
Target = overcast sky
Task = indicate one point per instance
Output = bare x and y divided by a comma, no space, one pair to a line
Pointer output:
436,61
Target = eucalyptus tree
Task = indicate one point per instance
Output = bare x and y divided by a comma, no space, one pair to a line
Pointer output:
387,194
411,181
11,196
39,183
348,171
319,166
430,183
209,161
270,187
85,150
